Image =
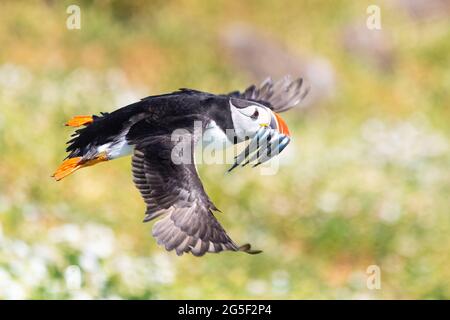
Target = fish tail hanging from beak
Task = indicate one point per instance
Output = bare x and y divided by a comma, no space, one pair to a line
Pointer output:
279,124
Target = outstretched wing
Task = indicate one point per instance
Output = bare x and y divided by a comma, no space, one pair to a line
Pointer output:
175,192
278,96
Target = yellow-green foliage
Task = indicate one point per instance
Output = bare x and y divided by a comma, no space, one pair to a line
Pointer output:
365,181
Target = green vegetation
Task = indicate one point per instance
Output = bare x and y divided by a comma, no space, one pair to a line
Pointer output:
366,180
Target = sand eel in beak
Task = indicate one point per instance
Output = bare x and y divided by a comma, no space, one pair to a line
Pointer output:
171,189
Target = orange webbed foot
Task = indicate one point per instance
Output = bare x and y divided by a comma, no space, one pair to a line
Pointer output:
72,164
67,167
79,121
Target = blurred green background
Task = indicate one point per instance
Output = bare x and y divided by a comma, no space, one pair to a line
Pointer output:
365,182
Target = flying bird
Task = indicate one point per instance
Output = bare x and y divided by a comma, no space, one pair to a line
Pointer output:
172,190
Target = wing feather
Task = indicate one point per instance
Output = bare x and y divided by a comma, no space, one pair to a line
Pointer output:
175,193
279,96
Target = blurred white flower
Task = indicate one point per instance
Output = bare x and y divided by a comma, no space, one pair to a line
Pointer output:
31,212
91,239
404,143
81,82
49,93
19,248
73,277
35,272
97,280
164,270
69,233
362,296
89,262
17,267
5,204
139,272
15,291
5,278
9,288
1,233
81,295
123,93
13,78
98,240
390,211
133,271
256,287
329,201
47,253
280,282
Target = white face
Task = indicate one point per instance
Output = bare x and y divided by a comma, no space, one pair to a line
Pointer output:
249,119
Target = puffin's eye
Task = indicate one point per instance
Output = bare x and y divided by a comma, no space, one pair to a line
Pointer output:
255,115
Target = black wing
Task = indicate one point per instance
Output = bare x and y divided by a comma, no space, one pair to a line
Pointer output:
175,192
278,96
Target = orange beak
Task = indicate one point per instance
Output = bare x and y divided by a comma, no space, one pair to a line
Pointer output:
278,124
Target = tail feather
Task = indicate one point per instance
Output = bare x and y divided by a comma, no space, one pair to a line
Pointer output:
93,132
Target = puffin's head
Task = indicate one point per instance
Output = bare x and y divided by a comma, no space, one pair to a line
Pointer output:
249,116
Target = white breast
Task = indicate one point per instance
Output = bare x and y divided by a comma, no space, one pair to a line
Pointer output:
117,148
213,135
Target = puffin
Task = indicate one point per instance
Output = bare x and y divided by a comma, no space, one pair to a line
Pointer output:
164,173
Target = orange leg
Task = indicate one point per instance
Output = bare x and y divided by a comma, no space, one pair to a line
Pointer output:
79,121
